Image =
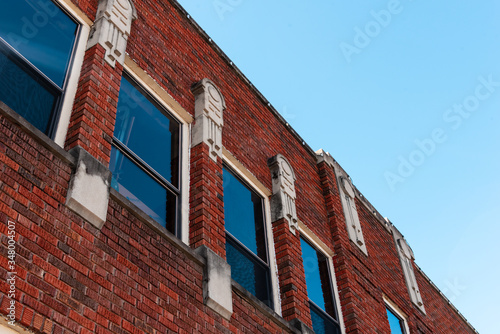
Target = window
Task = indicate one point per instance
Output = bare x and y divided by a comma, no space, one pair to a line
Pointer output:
397,321
246,246
145,155
396,324
319,289
37,39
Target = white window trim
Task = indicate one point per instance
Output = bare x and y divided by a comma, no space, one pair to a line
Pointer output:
176,111
258,187
74,69
307,234
397,311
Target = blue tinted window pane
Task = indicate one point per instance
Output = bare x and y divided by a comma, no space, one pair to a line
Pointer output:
249,272
395,323
41,32
141,189
25,94
322,324
243,215
313,278
149,133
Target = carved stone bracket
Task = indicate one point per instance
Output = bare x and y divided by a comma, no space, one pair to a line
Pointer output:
112,28
283,198
209,107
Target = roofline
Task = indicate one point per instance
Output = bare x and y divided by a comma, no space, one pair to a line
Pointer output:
262,98
273,110
445,298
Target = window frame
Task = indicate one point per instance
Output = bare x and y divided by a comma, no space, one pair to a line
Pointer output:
181,218
394,309
241,173
43,80
59,118
74,69
319,246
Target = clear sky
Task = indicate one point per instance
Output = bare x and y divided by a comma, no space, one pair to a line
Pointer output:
405,94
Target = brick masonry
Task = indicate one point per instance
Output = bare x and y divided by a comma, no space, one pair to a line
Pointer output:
93,118
294,301
206,203
133,276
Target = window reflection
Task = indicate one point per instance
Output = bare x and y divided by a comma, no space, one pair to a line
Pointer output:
395,322
246,248
145,155
141,126
41,32
36,45
319,290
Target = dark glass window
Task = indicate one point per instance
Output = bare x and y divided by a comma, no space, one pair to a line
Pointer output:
319,289
36,44
396,324
246,248
145,154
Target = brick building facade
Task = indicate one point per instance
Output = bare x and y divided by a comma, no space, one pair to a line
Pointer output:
146,186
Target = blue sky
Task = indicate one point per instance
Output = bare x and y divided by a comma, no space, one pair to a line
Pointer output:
405,95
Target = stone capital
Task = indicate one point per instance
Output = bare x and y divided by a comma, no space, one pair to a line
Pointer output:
284,195
209,107
111,28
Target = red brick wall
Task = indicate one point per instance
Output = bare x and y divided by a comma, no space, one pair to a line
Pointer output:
130,276
251,132
444,320
206,214
89,7
364,280
294,300
73,278
93,118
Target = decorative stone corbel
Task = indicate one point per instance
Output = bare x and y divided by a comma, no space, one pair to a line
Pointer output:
88,193
209,107
283,198
112,27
